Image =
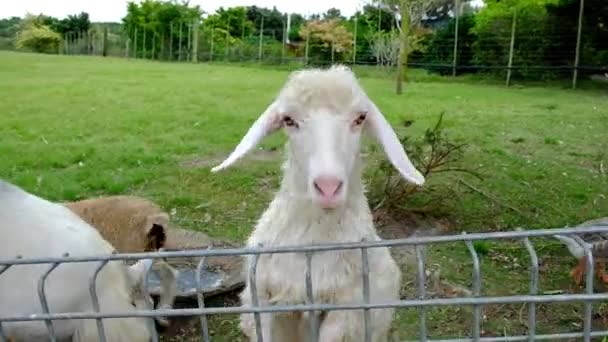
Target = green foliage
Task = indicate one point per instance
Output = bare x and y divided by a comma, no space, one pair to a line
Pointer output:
434,153
233,19
274,21
37,37
9,26
162,22
493,25
440,52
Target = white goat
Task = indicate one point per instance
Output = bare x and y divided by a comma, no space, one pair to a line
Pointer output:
33,228
322,200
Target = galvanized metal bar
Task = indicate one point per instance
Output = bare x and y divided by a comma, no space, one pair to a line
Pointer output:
367,320
95,299
201,300
424,240
476,291
3,337
44,303
313,326
254,296
533,289
545,337
421,292
4,268
588,288
406,303
146,294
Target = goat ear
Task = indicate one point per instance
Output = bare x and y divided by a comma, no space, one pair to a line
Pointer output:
386,136
266,124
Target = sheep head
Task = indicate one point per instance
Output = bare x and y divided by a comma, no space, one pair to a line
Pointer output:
324,113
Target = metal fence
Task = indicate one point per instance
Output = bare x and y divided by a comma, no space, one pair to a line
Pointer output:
477,300
513,49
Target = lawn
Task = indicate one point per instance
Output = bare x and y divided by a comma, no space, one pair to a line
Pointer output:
75,127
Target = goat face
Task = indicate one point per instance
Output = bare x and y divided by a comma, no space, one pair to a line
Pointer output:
324,113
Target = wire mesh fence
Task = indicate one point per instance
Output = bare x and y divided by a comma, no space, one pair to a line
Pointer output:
421,302
513,48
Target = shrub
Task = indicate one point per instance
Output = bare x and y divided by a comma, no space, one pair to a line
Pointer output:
434,153
38,38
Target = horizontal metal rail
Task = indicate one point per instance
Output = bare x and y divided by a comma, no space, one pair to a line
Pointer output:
409,303
519,234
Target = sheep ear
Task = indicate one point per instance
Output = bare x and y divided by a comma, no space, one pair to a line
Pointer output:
156,234
266,124
386,136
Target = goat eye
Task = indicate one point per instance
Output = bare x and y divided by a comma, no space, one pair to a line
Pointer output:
359,120
288,121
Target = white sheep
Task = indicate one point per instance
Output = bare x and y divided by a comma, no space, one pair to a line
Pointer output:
33,227
322,200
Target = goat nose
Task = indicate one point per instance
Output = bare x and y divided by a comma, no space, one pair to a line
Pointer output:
327,186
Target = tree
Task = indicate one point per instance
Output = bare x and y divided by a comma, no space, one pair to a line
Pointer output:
274,21
9,26
333,13
297,21
157,20
35,36
233,19
330,35
410,13
385,46
562,21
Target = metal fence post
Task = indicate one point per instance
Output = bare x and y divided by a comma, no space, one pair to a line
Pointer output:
154,44
284,27
455,57
189,49
260,41
306,48
195,41
179,43
355,42
66,43
227,46
171,41
511,47
578,44
105,42
135,44
212,43
143,45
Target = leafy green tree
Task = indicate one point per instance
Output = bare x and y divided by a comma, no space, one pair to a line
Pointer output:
160,22
33,35
233,19
274,21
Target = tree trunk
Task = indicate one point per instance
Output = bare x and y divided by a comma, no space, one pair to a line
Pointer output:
403,48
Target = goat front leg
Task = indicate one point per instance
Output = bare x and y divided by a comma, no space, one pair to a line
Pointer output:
349,326
276,327
168,288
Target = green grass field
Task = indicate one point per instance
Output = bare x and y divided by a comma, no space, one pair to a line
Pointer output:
75,127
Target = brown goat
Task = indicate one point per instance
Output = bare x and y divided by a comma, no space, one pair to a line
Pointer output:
132,225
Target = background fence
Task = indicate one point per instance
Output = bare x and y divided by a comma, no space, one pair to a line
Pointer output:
421,302
512,48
